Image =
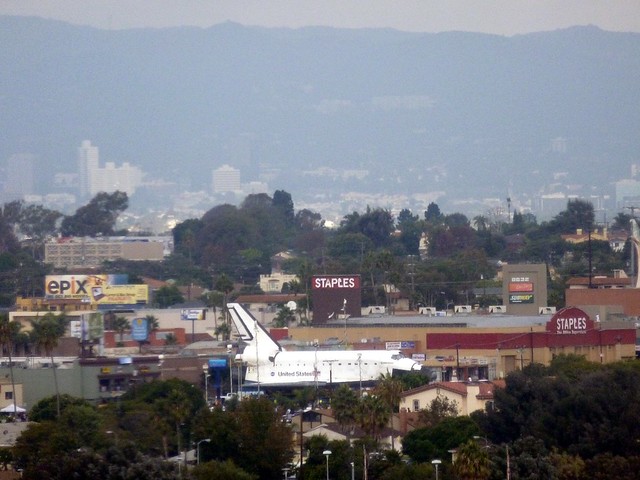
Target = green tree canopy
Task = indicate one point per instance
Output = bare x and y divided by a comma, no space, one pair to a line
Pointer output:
96,218
168,295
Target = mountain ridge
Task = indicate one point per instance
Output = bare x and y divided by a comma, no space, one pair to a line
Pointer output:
274,103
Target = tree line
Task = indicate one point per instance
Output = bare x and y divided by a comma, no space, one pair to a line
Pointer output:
431,257
572,420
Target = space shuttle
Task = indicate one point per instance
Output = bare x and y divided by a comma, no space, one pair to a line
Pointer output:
268,364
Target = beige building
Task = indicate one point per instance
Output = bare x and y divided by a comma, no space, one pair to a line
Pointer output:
82,252
273,282
468,396
8,394
483,347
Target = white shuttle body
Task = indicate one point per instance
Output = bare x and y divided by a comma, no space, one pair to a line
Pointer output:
270,365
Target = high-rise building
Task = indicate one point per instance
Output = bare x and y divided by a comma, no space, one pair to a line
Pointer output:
125,178
94,179
88,162
226,179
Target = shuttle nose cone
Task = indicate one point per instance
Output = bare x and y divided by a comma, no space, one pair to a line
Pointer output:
409,365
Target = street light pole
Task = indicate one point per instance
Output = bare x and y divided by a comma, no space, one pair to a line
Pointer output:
436,463
353,471
198,448
486,440
326,453
205,369
229,351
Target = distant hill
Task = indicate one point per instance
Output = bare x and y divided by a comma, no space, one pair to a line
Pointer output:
450,111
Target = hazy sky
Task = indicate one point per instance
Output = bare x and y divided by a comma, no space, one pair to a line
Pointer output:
505,17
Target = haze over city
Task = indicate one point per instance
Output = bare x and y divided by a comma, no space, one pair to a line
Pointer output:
466,120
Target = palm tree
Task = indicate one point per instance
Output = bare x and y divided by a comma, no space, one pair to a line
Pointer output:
472,462
372,415
224,285
153,323
344,405
8,333
284,317
47,331
175,408
120,325
224,330
214,300
389,389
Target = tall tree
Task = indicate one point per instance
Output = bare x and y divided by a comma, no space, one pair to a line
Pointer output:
283,203
168,295
47,332
424,444
38,223
389,389
579,214
152,323
373,415
184,236
9,331
433,215
376,224
224,285
121,324
344,405
284,316
96,218
267,443
472,462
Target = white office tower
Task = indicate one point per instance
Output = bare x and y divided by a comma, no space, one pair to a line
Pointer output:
94,179
88,161
109,179
226,179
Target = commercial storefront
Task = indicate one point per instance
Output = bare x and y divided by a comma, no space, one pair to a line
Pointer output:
483,346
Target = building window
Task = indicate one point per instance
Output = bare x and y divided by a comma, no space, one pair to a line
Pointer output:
416,405
8,395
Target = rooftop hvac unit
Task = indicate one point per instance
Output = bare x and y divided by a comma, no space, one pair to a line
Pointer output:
462,308
427,311
497,309
546,310
377,309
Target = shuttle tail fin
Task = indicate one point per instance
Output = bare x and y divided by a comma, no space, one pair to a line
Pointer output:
259,343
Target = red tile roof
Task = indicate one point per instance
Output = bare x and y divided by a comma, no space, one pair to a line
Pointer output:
460,388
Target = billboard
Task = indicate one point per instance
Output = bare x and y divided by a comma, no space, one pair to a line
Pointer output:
98,289
192,314
399,345
335,297
140,329
521,298
570,321
524,288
